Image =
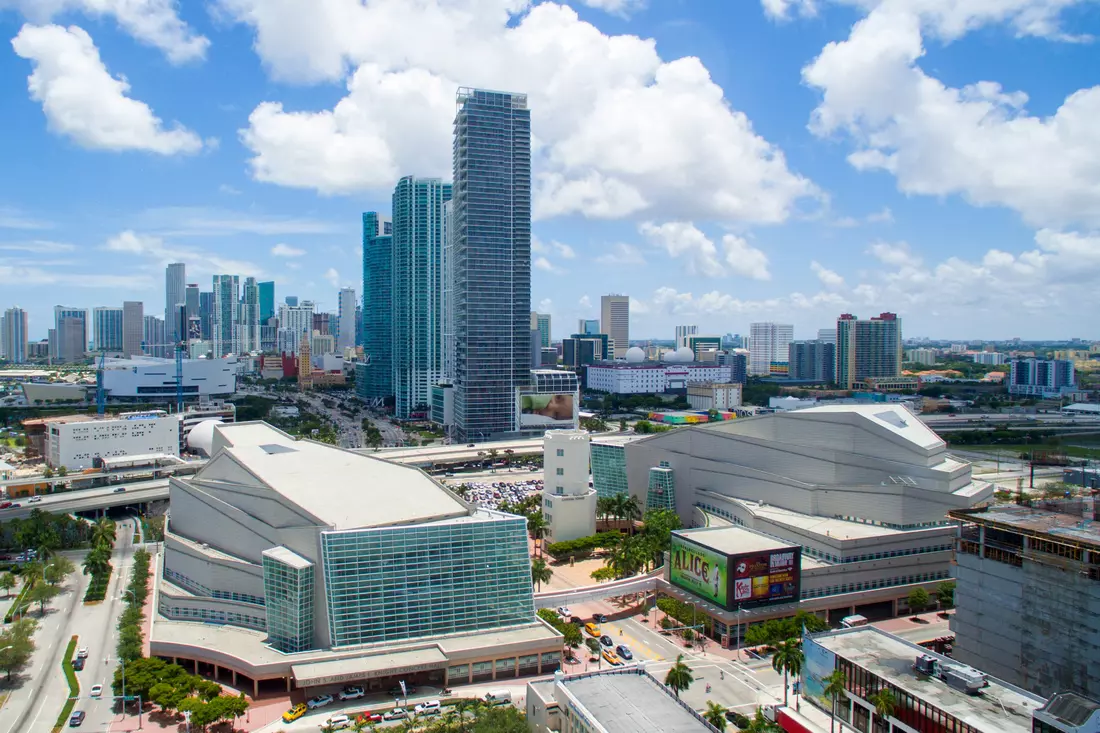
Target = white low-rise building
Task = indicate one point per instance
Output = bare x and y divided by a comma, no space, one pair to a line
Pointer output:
76,444
568,502
709,396
653,377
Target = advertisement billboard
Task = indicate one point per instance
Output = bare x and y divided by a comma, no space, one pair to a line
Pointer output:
699,570
761,579
546,409
817,664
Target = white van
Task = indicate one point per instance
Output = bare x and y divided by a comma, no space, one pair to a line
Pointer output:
498,697
850,622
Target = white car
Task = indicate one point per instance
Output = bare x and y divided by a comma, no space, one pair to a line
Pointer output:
396,714
97,690
352,692
432,707
564,611
34,500
338,722
82,653
319,702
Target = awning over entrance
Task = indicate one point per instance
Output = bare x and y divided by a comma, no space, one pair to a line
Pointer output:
368,667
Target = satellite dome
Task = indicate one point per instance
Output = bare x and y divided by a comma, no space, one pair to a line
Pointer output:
685,354
201,438
635,355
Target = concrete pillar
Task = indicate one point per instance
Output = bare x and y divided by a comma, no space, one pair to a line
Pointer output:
255,688
234,678
288,684
216,672
895,606
196,666
175,660
981,541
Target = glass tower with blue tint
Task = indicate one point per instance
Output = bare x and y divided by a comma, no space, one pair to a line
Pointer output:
377,307
491,232
267,300
609,470
417,291
390,583
107,328
288,596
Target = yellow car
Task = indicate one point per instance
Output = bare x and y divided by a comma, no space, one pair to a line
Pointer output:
592,629
294,713
611,658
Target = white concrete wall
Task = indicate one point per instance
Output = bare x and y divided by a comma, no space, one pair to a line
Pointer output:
570,516
565,461
75,445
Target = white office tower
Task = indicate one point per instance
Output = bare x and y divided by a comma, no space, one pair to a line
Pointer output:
827,335
770,343
615,322
345,338
13,335
248,329
294,320
175,297
568,502
682,334
225,321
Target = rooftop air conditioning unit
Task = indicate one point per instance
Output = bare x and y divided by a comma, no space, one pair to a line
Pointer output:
967,679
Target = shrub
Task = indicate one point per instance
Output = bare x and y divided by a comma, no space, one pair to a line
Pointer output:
583,545
74,685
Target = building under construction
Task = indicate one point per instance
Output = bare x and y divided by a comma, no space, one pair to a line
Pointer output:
1028,594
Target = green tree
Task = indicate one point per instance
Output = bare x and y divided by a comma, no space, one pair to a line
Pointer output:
787,659
679,676
97,562
168,696
540,572
62,471
7,582
47,473
57,568
41,594
835,690
945,593
918,600
593,645
104,532
885,703
19,640
715,715
760,724
537,526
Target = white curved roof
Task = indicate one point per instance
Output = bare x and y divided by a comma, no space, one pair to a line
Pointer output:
201,437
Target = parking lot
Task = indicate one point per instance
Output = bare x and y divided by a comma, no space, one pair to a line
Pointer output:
491,494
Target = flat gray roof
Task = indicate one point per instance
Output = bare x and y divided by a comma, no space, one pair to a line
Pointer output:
629,702
999,708
287,557
733,540
312,674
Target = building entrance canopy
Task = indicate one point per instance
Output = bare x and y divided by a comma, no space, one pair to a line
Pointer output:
368,667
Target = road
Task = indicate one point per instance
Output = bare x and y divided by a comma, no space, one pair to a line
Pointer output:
90,499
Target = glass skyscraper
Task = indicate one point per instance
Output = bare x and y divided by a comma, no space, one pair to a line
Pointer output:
417,291
267,301
609,469
378,306
491,232
224,318
107,328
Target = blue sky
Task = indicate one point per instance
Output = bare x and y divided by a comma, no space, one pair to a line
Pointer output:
720,161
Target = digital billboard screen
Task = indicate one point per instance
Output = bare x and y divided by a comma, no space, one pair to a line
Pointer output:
546,409
764,578
699,570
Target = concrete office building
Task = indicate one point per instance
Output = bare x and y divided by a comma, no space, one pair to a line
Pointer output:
540,323
682,333
1047,378
619,700
377,308
78,443
711,396
828,335
863,490
151,379
13,335
70,336
322,343
492,260
867,349
133,327
294,320
248,328
417,291
578,352
704,345
1028,595
615,322
224,323
107,329
769,345
175,298
313,567
812,360
348,305
568,502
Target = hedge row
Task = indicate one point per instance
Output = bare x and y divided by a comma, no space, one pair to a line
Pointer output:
584,545
74,685
20,605
130,633
97,589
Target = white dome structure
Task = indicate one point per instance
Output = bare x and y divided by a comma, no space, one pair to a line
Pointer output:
684,354
201,438
635,355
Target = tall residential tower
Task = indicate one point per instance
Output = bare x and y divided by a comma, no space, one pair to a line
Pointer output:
770,344
224,320
615,322
870,348
345,339
377,307
175,298
13,335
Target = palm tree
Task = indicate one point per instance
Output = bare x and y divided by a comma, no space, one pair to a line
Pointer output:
631,508
540,572
715,715
788,658
679,676
536,525
7,582
835,689
103,532
603,508
884,702
97,561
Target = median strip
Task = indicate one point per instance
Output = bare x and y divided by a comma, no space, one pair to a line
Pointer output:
74,685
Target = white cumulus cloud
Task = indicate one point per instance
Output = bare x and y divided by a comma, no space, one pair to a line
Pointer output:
622,253
683,240
828,278
285,250
84,102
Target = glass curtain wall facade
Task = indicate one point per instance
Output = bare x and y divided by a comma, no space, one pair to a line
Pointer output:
288,597
609,470
492,260
267,300
662,489
867,348
249,320
393,583
223,320
107,328
417,291
378,306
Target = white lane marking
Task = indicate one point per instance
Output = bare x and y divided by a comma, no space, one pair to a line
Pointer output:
40,709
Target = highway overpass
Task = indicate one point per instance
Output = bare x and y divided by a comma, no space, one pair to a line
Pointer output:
90,500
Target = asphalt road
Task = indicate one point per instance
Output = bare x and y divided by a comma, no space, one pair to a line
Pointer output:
88,499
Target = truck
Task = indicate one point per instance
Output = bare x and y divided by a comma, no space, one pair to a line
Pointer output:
498,697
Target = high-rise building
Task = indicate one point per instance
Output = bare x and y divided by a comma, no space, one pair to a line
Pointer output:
191,300
588,326
13,335
867,348
175,297
292,300
814,360
492,260
770,344
154,337
378,306
345,339
447,394
107,328
541,322
133,327
323,323
682,333
248,330
700,344
417,291
828,335
224,320
294,320
1041,377
267,301
615,322
69,345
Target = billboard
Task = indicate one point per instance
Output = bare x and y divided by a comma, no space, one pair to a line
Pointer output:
761,579
699,570
818,664
552,410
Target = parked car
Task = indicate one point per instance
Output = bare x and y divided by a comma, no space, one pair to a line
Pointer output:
352,692
77,718
78,664
599,618
564,611
396,714
295,712
338,722
432,707
82,653
592,629
396,691
370,717
318,702
5,504
624,652
576,621
607,641
97,691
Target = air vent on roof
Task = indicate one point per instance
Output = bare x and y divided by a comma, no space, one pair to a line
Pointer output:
892,418
272,448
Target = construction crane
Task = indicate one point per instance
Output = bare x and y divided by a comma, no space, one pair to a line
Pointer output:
100,392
